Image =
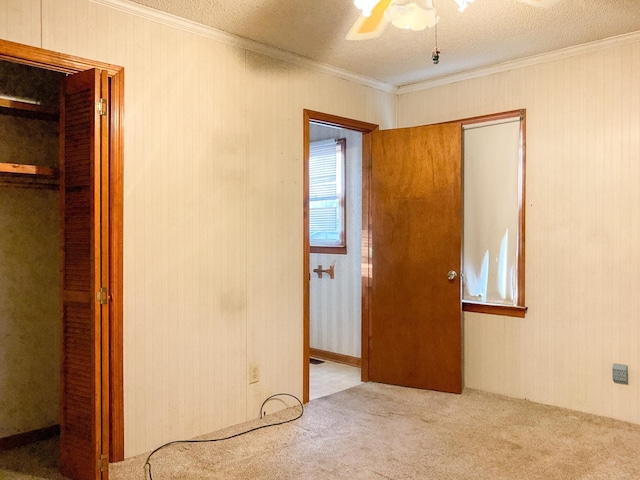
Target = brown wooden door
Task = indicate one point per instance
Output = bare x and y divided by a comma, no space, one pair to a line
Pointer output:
84,214
416,219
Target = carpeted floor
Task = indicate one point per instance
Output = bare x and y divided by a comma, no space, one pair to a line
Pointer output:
376,431
32,462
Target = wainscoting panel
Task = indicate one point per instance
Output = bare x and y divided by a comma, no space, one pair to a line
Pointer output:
20,21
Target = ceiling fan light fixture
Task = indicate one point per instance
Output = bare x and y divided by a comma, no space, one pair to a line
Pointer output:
366,6
411,16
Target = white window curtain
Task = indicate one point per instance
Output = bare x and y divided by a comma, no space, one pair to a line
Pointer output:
492,152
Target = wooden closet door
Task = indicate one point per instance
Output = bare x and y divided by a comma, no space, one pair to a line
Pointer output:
84,423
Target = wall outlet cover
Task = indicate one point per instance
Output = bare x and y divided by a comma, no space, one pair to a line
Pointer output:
620,374
254,373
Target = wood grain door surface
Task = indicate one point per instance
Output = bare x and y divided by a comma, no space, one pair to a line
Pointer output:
83,158
416,219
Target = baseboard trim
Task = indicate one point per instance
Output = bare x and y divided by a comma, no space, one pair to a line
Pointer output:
335,357
26,438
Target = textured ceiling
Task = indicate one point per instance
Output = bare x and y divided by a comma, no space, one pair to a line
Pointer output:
489,32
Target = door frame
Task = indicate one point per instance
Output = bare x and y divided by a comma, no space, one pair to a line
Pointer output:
364,128
59,62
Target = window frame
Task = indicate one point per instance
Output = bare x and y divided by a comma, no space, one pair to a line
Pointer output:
519,309
341,248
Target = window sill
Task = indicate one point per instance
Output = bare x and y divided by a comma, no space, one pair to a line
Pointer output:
492,309
329,250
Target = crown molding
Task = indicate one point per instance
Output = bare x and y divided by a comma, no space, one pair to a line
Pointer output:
240,42
568,52
277,53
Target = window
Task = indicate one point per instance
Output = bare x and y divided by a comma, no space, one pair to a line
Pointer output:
493,245
327,231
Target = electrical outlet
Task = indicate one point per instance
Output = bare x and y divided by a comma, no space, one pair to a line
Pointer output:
254,373
620,374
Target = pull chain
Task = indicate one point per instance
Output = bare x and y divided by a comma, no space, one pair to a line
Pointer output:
435,54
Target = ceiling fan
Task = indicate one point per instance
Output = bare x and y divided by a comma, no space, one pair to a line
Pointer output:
406,14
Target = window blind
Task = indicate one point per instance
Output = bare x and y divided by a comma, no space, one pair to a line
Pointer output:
325,193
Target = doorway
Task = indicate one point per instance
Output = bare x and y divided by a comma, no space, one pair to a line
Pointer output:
109,418
320,126
412,216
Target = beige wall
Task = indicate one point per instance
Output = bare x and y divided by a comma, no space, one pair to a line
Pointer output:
583,206
20,21
29,309
213,210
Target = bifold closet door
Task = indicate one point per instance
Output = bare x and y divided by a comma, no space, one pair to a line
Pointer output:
84,434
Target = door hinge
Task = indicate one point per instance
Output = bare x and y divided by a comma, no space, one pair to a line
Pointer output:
103,463
102,296
101,106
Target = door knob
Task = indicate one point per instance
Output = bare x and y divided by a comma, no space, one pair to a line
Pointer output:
452,275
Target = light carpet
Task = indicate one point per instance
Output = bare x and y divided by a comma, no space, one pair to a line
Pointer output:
376,431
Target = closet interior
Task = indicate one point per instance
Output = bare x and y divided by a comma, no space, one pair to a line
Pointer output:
30,325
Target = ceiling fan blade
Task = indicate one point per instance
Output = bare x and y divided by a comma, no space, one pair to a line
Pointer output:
540,3
371,26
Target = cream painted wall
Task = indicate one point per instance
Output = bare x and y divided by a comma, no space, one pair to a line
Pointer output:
20,21
29,330
335,305
213,211
583,206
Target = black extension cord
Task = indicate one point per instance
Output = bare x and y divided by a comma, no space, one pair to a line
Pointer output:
148,464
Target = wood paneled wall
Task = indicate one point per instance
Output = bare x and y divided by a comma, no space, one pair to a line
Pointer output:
20,21
582,255
212,210
335,305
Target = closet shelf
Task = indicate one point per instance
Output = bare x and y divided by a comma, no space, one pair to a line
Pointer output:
22,169
23,109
